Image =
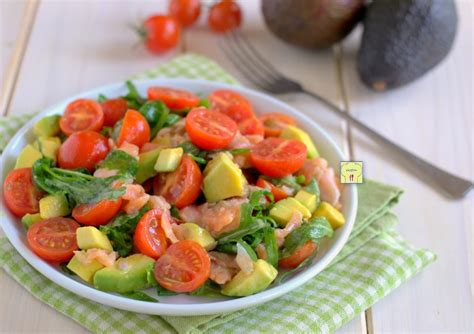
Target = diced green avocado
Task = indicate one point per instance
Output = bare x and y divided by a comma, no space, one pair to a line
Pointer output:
48,146
27,157
146,165
245,284
29,219
90,237
283,210
47,126
169,159
126,275
308,199
292,132
54,206
83,270
191,231
223,179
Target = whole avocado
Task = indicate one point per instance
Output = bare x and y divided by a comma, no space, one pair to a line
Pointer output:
404,39
312,23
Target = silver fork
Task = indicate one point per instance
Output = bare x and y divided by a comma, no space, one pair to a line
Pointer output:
265,76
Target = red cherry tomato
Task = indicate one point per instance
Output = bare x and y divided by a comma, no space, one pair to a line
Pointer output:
301,254
186,11
82,114
83,150
184,267
21,195
96,214
114,109
134,129
176,99
53,239
149,238
251,126
278,193
231,104
210,129
274,123
224,15
181,187
161,33
278,157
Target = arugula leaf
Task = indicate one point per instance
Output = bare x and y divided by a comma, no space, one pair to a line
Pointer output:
208,289
139,295
271,247
120,231
280,279
171,119
289,181
121,161
239,151
248,249
79,187
106,131
175,212
135,101
229,248
202,156
156,113
160,291
314,230
66,270
101,98
313,188
204,103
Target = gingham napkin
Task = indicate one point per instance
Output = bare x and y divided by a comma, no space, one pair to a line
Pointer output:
375,261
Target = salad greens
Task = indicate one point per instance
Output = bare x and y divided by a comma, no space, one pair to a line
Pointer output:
119,160
139,295
135,101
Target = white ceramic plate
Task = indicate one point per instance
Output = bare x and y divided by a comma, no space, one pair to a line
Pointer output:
183,304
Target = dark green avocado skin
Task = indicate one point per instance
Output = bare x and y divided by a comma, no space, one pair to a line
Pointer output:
404,39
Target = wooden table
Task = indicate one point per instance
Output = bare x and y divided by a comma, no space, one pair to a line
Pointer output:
61,48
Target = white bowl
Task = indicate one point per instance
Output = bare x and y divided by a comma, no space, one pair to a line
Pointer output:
183,305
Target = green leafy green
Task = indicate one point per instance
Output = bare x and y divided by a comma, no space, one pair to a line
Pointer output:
280,279
248,249
160,291
175,212
135,101
101,98
313,188
139,295
66,270
121,161
314,230
208,289
156,113
106,131
238,151
293,182
79,187
204,103
120,231
271,246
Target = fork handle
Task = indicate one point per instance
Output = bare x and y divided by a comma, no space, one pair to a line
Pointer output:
451,184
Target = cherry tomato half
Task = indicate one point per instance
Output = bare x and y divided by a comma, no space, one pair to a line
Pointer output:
224,15
181,187
186,11
114,109
176,99
134,129
251,126
21,195
96,214
274,123
161,33
53,239
231,104
184,267
149,238
80,115
83,150
209,129
278,157
278,193
300,254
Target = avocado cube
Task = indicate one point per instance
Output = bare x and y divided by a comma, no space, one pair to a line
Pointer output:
169,159
191,231
333,215
283,210
47,126
146,165
223,179
245,284
29,219
128,274
90,237
85,271
293,132
27,157
309,200
48,146
54,206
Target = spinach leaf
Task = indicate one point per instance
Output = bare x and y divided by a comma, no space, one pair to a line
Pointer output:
208,289
120,231
314,230
79,187
271,247
101,98
121,161
139,295
135,101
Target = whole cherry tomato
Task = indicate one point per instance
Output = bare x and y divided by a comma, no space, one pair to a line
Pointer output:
186,11
224,15
160,33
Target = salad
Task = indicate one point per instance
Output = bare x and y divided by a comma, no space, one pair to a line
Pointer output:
173,191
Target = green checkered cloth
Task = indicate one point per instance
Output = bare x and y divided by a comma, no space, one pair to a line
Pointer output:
375,261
